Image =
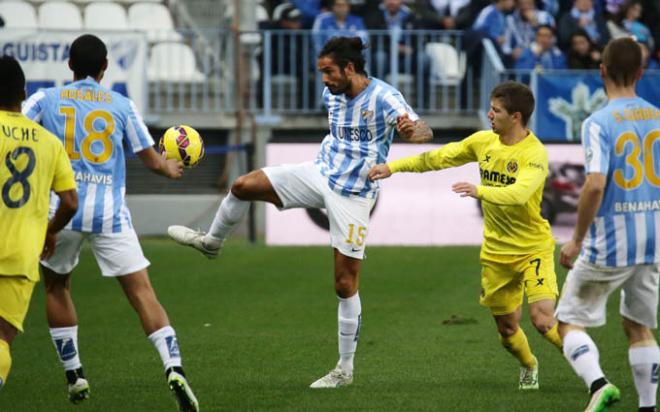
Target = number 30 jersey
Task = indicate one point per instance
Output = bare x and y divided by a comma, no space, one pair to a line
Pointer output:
32,163
622,141
93,123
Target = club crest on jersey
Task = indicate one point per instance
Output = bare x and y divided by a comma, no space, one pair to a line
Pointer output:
65,348
367,114
512,166
172,346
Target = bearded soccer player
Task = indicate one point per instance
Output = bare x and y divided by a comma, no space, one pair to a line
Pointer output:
517,253
32,163
364,115
617,235
94,123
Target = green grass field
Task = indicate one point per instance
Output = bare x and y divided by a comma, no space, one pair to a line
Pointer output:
257,326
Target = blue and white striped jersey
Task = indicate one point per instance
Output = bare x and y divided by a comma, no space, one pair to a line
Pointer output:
93,122
361,132
622,141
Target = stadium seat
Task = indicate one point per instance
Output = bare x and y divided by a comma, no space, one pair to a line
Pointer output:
447,65
59,15
105,15
173,62
155,20
18,15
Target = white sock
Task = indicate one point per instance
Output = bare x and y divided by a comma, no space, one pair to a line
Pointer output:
66,344
348,320
582,353
164,339
644,362
229,214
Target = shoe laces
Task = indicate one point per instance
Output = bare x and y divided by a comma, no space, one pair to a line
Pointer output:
527,376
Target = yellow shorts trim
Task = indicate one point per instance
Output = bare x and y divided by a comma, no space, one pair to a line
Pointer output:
16,292
505,279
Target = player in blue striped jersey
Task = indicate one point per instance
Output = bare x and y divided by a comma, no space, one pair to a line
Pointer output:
94,122
364,114
617,235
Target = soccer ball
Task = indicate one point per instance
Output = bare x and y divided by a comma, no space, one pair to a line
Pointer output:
182,143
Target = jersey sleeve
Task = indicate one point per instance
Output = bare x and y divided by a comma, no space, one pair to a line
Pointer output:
33,107
450,155
533,173
394,106
596,152
137,135
63,177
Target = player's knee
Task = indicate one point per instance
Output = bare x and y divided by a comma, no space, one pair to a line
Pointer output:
543,323
507,329
635,331
242,187
345,286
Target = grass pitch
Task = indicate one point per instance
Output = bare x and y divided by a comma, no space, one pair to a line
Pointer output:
259,324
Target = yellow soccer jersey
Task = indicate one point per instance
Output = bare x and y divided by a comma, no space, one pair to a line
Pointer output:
512,181
32,162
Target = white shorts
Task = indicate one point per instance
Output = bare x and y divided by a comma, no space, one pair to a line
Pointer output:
117,254
584,296
303,185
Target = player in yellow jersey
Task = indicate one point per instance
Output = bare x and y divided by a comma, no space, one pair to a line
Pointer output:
517,253
32,162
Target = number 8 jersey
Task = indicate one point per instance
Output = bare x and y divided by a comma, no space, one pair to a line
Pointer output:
622,141
32,163
93,123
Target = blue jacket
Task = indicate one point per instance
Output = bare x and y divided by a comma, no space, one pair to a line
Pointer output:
551,59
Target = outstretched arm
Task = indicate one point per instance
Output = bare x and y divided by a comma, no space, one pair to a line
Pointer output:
160,164
450,155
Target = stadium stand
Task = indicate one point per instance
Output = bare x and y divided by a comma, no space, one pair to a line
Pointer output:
160,67
155,19
18,15
105,15
59,15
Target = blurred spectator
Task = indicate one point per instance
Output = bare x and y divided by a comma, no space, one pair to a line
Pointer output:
542,54
467,15
391,17
583,16
522,25
626,23
491,22
286,48
582,55
337,22
648,62
447,10
309,10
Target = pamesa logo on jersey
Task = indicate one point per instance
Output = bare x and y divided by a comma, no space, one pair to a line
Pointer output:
124,52
582,104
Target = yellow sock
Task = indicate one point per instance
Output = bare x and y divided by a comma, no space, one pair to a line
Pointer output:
553,336
518,346
5,362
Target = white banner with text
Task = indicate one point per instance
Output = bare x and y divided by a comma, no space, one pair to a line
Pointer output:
44,54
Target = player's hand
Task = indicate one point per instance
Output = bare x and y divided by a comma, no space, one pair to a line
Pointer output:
378,172
49,246
404,126
465,189
173,167
568,253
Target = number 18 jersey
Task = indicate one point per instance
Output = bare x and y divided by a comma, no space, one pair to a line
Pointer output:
622,141
93,123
